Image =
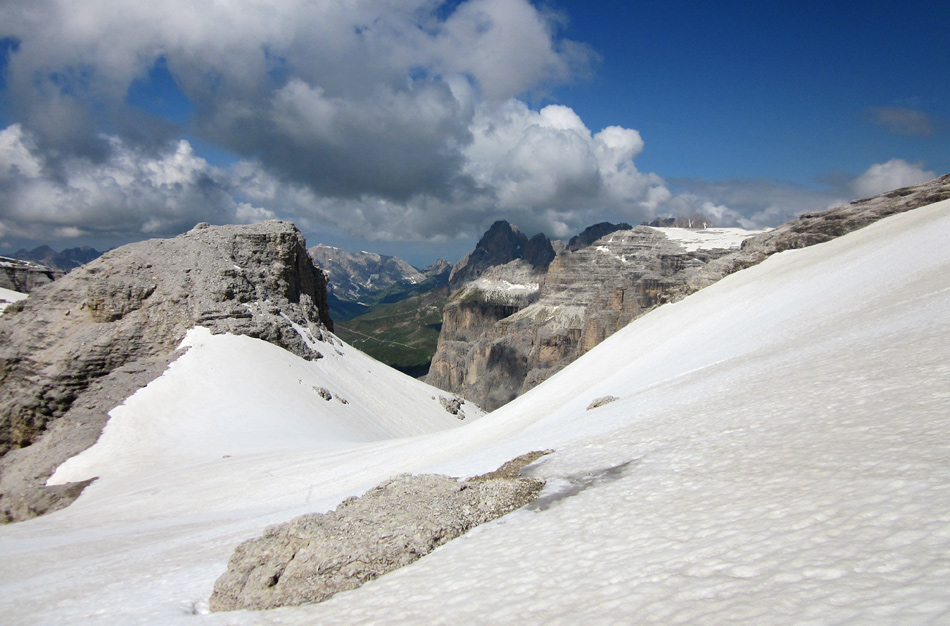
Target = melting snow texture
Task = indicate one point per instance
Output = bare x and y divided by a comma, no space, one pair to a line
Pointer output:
778,454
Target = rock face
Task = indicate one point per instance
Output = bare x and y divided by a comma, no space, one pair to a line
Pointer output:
77,347
312,557
25,276
502,244
502,339
493,348
814,228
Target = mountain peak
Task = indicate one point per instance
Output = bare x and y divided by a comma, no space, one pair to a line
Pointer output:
502,243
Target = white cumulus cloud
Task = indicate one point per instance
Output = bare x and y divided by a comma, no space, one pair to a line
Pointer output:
893,174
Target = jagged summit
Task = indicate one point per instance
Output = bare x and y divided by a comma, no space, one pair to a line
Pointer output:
502,243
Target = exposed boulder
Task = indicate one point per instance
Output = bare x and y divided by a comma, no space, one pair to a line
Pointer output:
313,557
79,346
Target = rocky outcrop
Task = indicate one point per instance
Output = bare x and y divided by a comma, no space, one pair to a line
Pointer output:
820,226
492,351
25,276
313,557
77,347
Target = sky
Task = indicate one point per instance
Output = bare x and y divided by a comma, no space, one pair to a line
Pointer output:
407,127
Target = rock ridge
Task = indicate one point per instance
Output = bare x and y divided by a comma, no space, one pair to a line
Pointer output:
78,346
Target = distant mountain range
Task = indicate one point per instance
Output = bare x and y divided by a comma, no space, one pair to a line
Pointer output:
384,306
67,260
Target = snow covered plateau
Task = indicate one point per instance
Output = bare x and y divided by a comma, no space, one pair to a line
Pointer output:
778,453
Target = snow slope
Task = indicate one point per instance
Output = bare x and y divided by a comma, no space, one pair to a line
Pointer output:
782,458
8,296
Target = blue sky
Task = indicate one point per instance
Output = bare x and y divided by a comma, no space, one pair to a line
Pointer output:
780,90
407,128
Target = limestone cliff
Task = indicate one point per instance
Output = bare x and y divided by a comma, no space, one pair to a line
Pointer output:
79,346
25,276
493,349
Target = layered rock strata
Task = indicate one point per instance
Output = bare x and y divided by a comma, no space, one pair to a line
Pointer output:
499,341
79,346
313,557
25,276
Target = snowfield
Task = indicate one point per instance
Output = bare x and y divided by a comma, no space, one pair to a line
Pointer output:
779,453
694,239
8,297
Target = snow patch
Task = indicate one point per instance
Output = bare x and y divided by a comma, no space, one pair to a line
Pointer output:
709,238
8,297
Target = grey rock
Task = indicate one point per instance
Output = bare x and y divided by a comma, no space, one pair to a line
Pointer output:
441,268
821,226
25,276
599,402
491,350
501,244
313,557
453,406
78,346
